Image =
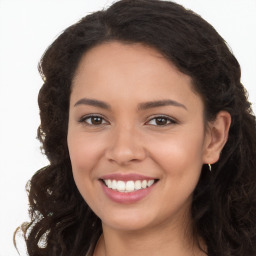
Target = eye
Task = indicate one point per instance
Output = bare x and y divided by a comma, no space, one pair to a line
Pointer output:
93,120
161,121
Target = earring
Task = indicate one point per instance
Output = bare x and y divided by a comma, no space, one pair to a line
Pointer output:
210,167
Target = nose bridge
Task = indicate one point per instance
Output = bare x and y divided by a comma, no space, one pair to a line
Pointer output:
126,145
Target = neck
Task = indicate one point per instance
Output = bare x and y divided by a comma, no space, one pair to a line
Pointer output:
161,240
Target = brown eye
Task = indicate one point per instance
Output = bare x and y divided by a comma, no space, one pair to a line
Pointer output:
161,121
93,120
96,120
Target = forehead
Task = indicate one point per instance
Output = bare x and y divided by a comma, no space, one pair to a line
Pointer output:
133,71
103,57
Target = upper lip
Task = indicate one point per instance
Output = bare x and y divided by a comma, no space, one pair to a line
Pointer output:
126,177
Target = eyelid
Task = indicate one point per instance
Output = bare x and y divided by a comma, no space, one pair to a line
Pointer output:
170,119
87,116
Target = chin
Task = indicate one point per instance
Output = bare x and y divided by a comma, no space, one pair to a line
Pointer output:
128,221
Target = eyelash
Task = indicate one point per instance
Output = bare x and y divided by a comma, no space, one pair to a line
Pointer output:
85,118
169,120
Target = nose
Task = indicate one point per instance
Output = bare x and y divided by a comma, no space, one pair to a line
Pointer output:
126,146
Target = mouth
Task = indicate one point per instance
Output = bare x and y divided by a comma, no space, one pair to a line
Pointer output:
128,186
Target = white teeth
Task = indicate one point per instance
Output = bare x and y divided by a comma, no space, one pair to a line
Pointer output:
137,184
128,186
144,184
150,182
120,185
109,183
114,184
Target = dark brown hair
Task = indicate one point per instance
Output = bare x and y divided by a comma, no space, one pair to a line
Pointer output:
224,202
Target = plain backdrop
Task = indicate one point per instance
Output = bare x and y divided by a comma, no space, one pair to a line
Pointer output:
26,29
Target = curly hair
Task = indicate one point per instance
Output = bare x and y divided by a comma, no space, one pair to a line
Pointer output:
224,201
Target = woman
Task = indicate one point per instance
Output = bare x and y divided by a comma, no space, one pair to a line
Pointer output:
150,138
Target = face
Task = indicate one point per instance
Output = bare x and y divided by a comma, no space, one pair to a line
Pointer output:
136,136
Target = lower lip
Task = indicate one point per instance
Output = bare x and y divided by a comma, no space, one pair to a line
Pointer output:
126,198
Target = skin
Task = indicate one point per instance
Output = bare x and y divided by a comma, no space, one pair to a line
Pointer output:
127,138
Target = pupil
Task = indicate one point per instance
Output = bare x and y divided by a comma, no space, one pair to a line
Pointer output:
96,120
161,121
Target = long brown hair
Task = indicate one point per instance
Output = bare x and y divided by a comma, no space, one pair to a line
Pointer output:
224,202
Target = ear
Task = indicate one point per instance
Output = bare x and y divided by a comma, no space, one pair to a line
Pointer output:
216,137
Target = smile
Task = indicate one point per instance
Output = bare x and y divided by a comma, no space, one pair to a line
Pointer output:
128,186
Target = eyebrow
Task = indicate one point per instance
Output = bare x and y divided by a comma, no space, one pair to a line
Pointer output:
160,103
93,102
141,106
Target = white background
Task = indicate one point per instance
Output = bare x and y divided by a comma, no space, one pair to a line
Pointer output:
26,29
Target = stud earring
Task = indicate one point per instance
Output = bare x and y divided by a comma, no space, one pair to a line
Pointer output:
210,167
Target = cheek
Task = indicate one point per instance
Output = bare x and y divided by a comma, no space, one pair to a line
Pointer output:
84,152
84,155
179,154
180,159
